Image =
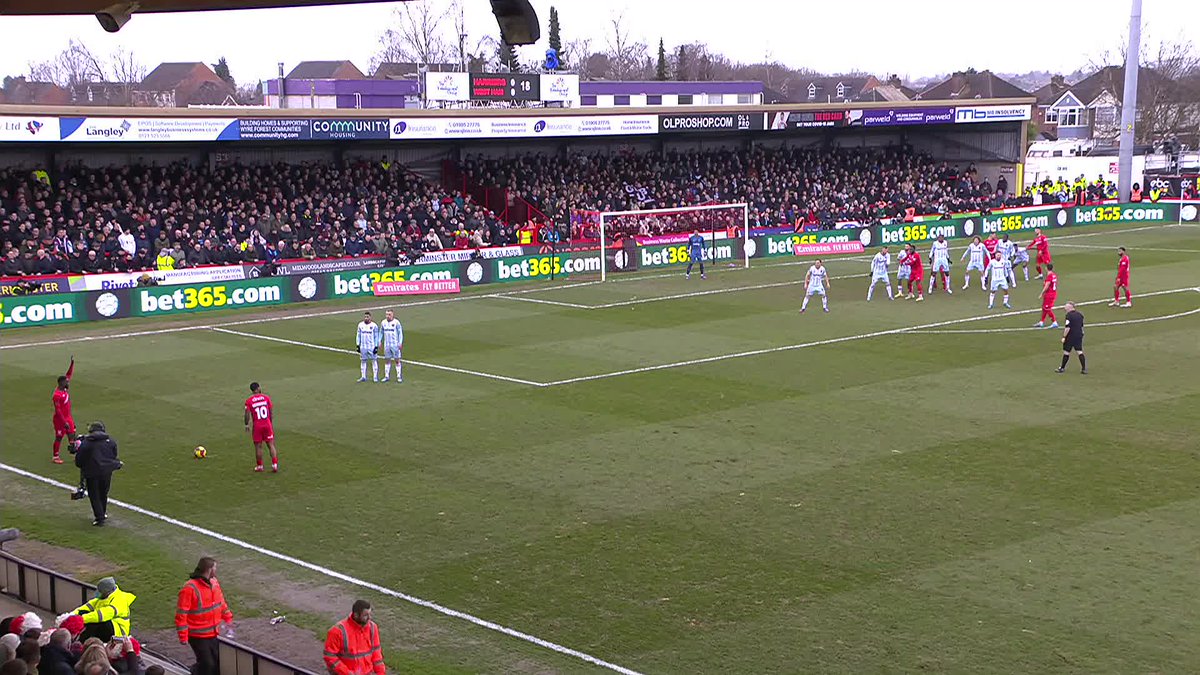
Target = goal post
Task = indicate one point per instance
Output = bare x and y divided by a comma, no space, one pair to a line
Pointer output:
654,238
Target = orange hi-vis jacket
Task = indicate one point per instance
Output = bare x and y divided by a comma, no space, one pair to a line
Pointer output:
201,609
353,649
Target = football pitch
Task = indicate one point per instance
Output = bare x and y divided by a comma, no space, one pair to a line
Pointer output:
662,475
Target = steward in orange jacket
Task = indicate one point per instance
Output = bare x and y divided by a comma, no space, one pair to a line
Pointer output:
199,613
352,645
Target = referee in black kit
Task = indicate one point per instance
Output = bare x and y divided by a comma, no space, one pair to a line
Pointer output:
1073,339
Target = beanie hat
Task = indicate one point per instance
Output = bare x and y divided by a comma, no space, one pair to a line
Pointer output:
11,640
105,586
27,621
74,625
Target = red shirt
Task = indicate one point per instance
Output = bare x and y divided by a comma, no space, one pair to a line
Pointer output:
913,260
261,410
62,405
1041,243
1123,266
991,243
1051,283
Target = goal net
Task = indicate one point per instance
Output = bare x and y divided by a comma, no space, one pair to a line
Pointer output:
658,238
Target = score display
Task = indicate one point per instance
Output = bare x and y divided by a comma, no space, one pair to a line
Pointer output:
505,87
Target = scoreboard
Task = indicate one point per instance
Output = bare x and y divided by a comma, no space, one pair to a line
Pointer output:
505,87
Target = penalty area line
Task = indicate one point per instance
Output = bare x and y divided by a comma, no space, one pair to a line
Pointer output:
340,576
338,350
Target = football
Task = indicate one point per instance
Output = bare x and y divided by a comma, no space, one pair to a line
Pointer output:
200,452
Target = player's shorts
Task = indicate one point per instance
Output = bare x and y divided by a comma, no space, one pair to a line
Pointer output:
367,355
64,427
917,275
978,267
999,284
904,273
391,353
941,266
1123,280
1043,258
696,256
815,290
1021,256
1074,342
261,433
1048,301
880,277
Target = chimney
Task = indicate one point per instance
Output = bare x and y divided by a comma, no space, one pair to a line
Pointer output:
1058,82
282,102
894,80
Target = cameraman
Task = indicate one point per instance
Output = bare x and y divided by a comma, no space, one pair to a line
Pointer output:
96,458
146,280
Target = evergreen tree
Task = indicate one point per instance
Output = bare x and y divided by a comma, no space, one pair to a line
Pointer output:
681,64
660,70
508,57
221,68
555,39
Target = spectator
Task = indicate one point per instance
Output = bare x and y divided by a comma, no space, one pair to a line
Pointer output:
57,658
14,666
8,646
127,242
199,613
352,645
97,458
94,660
125,655
25,622
108,614
29,652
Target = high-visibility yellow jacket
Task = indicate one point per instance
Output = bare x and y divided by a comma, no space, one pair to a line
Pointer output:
114,608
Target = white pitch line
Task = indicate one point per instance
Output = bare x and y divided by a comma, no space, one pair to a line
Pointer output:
829,341
333,574
423,364
540,301
974,331
715,291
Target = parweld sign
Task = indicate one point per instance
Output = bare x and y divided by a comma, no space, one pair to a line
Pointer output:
383,288
828,248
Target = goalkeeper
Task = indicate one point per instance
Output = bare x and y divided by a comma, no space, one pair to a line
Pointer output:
695,253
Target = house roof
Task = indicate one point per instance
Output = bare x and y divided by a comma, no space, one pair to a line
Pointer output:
404,70
885,92
966,85
826,87
1111,79
323,70
167,76
1050,92
21,92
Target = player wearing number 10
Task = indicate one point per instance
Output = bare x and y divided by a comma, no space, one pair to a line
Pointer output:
260,422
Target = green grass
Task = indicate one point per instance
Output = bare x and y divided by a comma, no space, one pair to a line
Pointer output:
894,503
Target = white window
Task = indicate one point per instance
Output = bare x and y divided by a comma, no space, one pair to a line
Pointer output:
1070,117
812,90
716,99
1051,116
745,99
841,90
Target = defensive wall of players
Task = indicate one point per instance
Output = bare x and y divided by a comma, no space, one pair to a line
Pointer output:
310,281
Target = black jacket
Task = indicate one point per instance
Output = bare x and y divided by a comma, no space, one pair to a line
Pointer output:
56,661
97,455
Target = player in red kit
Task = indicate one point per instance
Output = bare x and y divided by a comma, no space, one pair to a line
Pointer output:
1049,295
64,423
1122,280
260,417
1042,244
916,274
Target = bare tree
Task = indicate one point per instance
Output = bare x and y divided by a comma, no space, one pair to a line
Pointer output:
574,56
125,68
1168,104
418,34
72,66
627,57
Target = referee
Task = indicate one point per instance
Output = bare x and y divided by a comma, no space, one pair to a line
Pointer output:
1073,339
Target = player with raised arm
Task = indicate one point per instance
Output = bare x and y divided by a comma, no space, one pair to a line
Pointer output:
903,272
939,260
999,275
64,422
367,341
695,254
1042,244
816,279
260,422
1049,295
916,273
1122,280
1072,339
1007,249
978,255
879,273
393,342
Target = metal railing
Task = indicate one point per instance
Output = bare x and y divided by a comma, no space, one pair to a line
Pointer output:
58,593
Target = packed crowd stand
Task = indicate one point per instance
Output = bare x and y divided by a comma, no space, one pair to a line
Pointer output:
136,218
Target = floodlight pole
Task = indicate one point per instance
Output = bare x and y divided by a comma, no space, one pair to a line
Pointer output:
1129,102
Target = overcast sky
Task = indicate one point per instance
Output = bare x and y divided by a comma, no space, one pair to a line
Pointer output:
915,39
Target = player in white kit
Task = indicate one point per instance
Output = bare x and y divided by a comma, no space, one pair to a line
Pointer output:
367,341
1008,251
999,272
939,254
393,341
879,273
1020,257
903,271
978,254
815,281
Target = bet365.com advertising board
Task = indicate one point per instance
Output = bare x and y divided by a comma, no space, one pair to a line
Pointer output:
47,309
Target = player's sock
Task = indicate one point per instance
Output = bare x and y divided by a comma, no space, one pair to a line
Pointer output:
991,300
689,270
804,305
1116,295
870,290
57,443
1066,358
1026,273
375,370
398,376
1128,297
825,303
362,367
889,290
1053,319
387,369
1082,361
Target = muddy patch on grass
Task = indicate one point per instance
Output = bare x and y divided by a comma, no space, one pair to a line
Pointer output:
74,563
